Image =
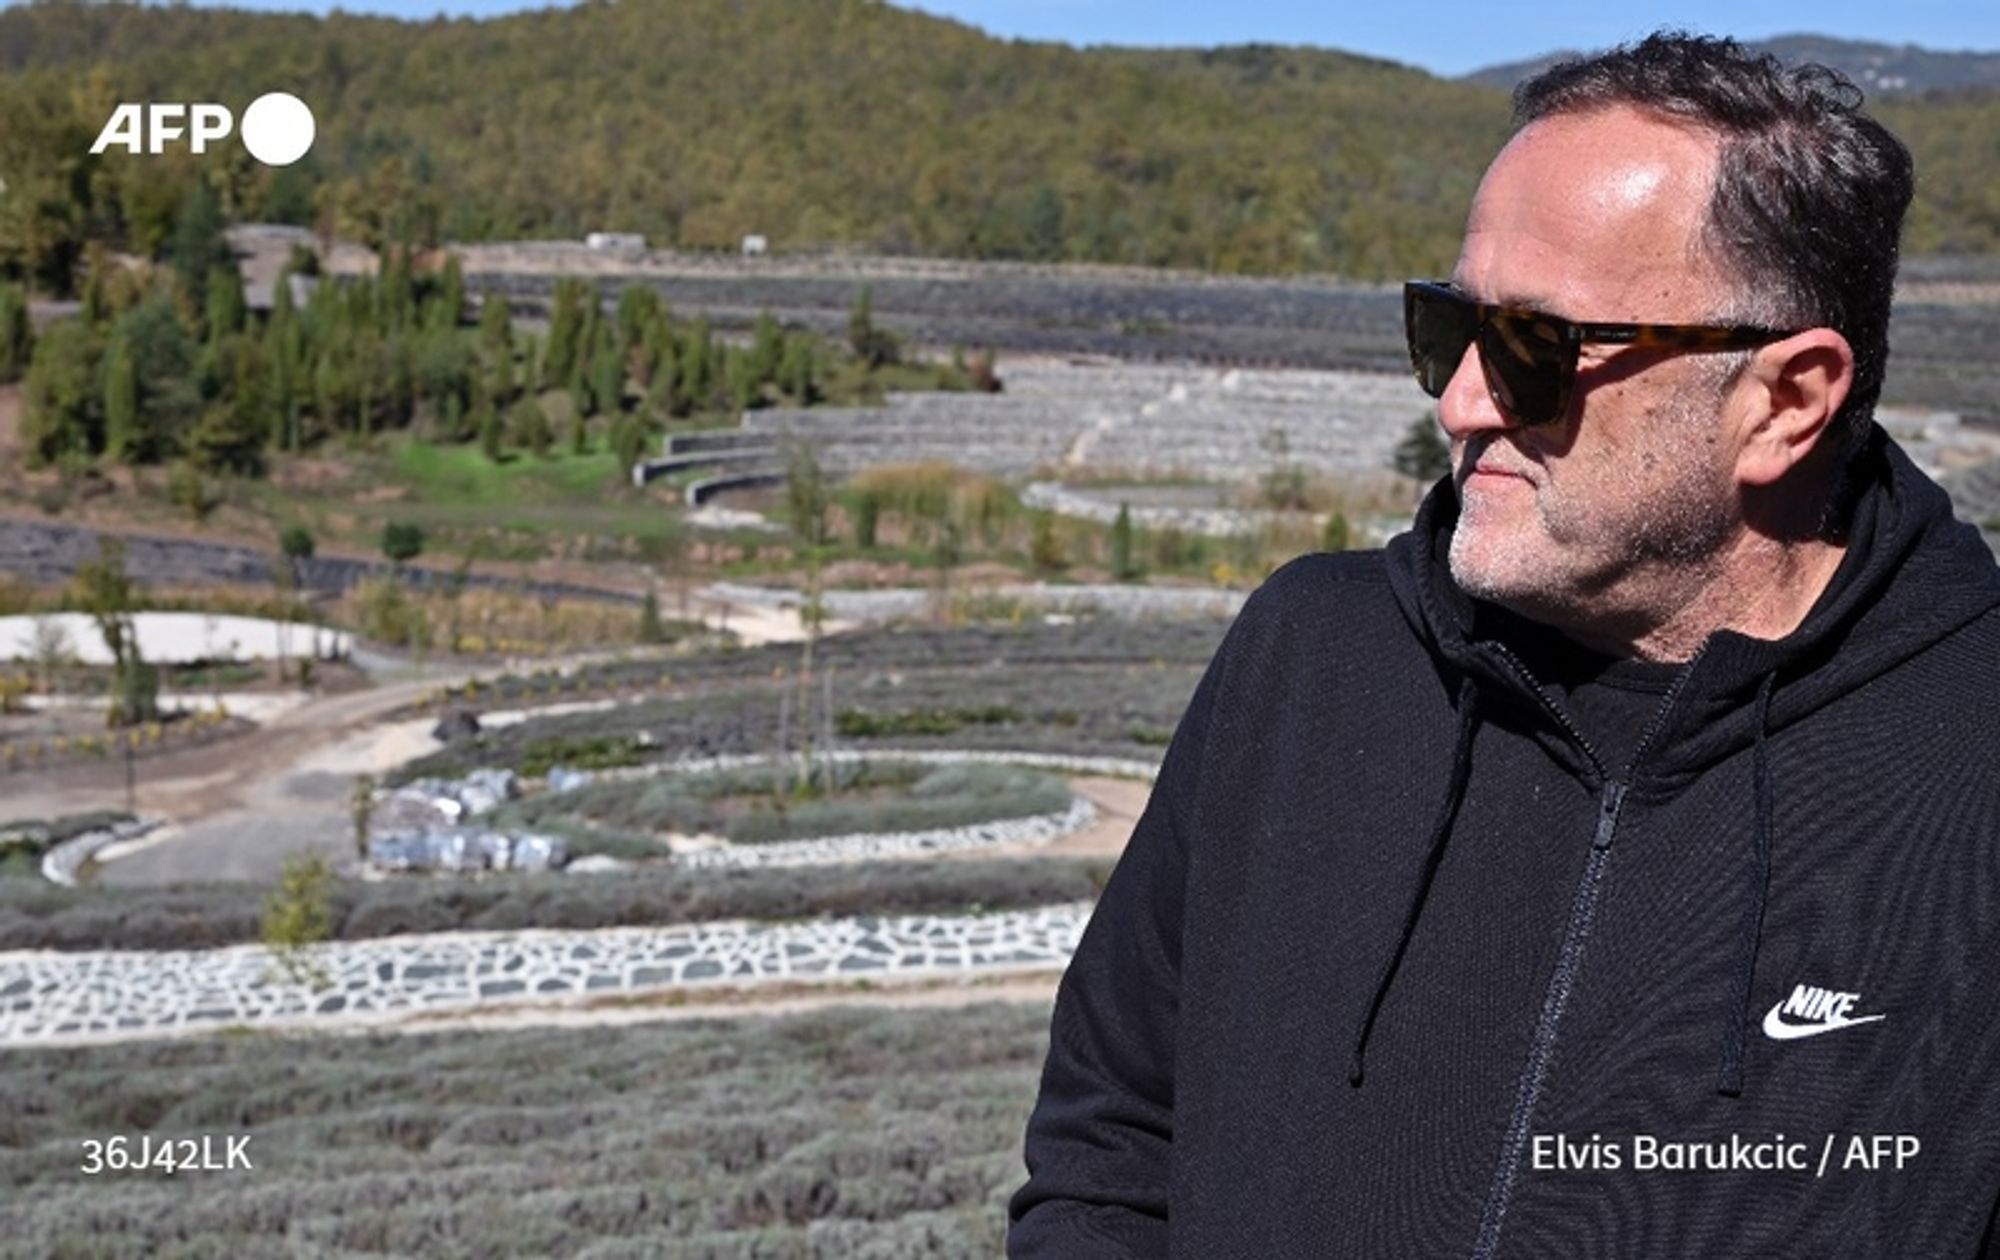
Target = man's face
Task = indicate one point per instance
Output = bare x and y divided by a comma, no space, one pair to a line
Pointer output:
1606,514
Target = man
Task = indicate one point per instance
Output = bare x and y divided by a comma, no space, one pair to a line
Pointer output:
1610,867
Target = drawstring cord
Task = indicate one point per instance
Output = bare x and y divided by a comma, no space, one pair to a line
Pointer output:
1461,771
1736,1029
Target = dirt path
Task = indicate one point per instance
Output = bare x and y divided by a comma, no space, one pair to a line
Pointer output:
1036,987
1119,803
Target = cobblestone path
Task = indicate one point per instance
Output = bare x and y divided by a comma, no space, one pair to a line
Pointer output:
51,995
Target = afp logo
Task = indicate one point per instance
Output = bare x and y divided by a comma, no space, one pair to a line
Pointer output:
277,128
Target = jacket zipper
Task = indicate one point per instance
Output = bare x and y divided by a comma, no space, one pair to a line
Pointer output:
1582,911
1583,908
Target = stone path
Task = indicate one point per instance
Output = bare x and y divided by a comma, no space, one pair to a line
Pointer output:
49,997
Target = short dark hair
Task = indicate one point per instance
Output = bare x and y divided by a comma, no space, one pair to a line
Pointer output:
1810,192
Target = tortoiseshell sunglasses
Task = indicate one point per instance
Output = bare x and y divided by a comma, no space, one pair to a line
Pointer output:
1529,358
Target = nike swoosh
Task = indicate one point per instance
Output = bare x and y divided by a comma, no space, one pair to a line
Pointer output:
1777,1029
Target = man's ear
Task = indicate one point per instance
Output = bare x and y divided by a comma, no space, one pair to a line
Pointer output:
1791,390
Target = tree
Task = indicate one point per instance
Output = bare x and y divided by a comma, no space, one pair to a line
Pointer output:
503,375
224,311
981,373
767,350
1422,454
530,426
607,380
496,329
402,541
361,810
121,401
1044,547
232,432
62,394
1043,227
798,371
867,509
559,357
639,308
487,420
163,355
873,346
806,496
1122,565
295,544
295,547
651,628
297,916
1334,537
16,340
450,307
628,441
198,244
106,595
1284,483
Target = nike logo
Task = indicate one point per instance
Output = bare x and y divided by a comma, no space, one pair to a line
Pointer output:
1810,1011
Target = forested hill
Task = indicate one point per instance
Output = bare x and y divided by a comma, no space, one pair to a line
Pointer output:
817,123
1884,69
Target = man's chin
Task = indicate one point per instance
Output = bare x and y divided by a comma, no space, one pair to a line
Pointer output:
1497,567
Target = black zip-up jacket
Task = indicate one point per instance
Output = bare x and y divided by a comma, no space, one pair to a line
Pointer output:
1394,967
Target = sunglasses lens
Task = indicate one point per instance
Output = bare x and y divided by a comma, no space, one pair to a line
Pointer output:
1528,363
1528,367
1439,325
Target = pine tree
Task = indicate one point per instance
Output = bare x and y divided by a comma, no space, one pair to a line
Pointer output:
224,313
394,294
867,508
1334,537
651,628
1122,566
121,402
797,372
1422,454
739,381
450,306
607,380
496,329
628,441
565,327
198,243
16,341
231,434
638,310
767,350
530,426
1044,547
62,393
283,349
873,346
698,375
487,419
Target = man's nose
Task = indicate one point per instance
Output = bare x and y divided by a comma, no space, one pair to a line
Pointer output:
1466,409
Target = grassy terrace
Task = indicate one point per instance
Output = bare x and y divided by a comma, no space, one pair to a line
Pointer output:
38,915
852,1132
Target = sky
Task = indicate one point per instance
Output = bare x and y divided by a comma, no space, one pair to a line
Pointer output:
1447,37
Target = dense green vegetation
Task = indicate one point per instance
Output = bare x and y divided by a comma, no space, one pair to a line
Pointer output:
839,1133
813,122
143,375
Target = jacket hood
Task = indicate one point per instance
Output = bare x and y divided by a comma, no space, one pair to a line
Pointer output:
1912,574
